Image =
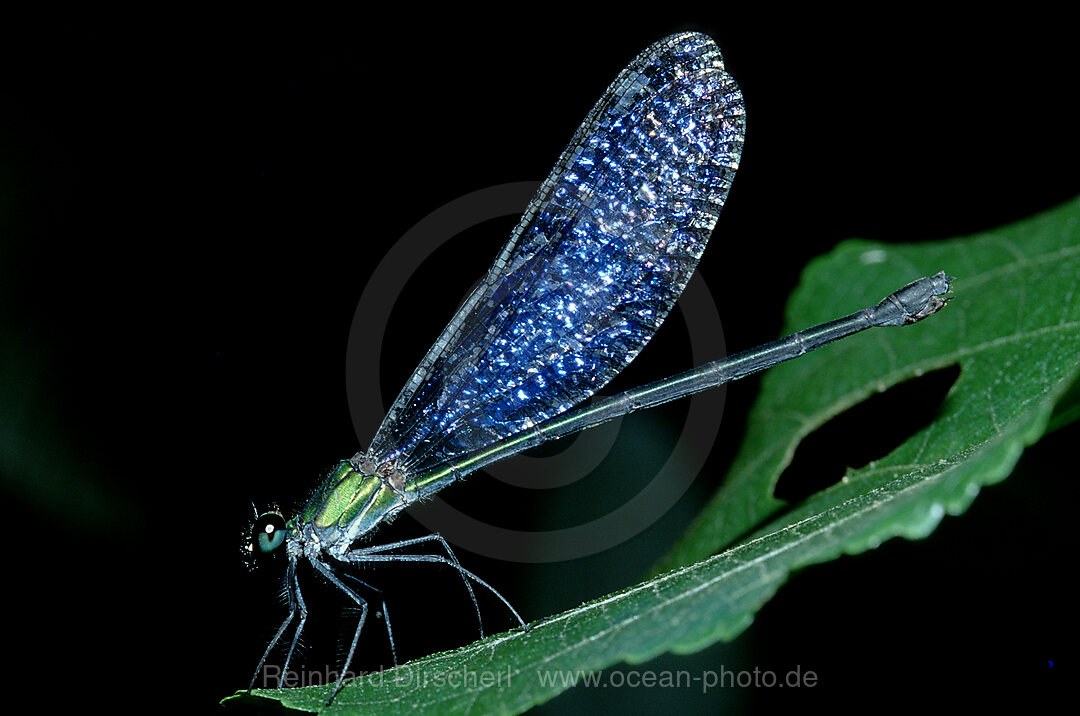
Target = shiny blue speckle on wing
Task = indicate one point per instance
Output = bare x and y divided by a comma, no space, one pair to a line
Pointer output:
593,268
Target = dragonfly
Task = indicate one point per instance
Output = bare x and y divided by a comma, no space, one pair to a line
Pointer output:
588,275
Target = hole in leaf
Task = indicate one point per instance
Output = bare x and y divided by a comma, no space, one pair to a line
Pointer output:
868,431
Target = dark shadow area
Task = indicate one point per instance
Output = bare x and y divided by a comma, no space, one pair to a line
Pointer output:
869,431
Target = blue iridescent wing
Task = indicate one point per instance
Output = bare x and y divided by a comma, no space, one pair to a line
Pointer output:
594,266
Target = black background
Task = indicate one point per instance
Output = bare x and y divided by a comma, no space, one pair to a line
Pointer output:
193,207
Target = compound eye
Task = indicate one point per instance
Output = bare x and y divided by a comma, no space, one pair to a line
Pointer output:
269,532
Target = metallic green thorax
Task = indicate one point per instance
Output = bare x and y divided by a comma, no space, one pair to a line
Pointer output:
350,503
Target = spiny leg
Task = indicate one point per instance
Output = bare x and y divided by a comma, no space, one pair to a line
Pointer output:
435,537
389,633
289,586
384,613
366,555
299,627
362,603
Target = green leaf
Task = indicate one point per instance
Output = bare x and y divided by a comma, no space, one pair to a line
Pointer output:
1014,331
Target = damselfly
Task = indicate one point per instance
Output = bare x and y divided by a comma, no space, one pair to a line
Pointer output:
598,260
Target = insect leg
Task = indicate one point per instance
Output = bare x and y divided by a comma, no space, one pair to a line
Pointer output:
359,556
290,586
385,614
299,627
435,537
362,603
389,632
